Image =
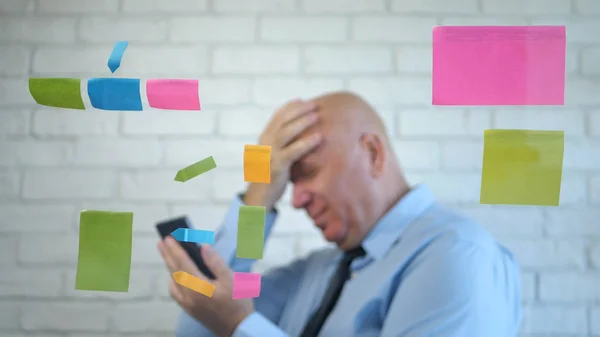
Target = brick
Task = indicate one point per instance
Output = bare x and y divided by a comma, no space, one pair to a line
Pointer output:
257,6
164,6
341,6
75,6
348,60
10,182
36,218
581,30
581,155
388,118
445,185
569,287
161,289
247,122
572,122
116,152
572,59
208,217
307,244
133,317
62,122
411,59
213,29
278,91
595,256
393,90
548,254
133,30
256,60
483,21
68,184
157,122
17,6
449,122
595,189
573,189
595,321
572,222
293,222
587,7
160,186
528,287
144,252
145,215
554,320
38,30
15,92
589,61
508,221
462,155
304,29
9,320
14,122
530,7
391,29
8,251
140,288
225,91
435,6
15,60
34,283
50,249
15,153
227,184
51,316
180,153
279,251
80,61
418,155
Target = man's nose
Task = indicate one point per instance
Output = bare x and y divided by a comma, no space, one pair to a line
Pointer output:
300,196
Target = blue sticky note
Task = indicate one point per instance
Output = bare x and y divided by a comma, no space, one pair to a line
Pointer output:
114,61
194,235
115,93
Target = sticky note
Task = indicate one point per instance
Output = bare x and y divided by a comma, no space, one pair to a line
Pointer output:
57,92
173,94
195,169
246,285
499,65
522,167
194,283
115,93
194,235
251,232
114,60
257,164
104,259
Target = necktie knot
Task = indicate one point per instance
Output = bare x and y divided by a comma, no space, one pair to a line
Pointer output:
352,254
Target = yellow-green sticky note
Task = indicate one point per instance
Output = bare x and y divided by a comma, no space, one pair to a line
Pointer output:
104,260
57,92
195,169
522,167
251,232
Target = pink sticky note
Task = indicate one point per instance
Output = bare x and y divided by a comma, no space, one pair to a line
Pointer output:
173,94
246,285
499,65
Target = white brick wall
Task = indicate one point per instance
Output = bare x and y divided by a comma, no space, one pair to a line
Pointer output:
251,56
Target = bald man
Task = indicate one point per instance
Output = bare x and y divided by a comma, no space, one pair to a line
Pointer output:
403,264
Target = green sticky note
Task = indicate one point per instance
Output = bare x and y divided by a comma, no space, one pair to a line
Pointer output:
195,169
57,92
251,232
104,261
522,167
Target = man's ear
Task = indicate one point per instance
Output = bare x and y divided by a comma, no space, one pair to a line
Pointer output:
373,144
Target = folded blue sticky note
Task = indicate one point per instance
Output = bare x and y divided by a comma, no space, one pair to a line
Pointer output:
115,93
194,235
114,61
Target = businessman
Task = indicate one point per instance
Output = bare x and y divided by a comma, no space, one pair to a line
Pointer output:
404,264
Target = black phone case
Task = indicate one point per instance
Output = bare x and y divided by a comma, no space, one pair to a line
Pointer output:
167,227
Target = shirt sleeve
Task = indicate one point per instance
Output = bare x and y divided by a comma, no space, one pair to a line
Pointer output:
456,289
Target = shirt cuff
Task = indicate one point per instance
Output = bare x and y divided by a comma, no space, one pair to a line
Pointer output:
256,325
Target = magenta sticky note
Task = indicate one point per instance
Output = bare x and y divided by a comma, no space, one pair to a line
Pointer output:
246,285
173,94
499,65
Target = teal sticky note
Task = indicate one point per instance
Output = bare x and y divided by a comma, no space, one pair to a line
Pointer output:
251,232
104,261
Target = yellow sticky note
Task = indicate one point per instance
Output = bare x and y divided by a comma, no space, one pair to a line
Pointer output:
194,283
522,167
257,164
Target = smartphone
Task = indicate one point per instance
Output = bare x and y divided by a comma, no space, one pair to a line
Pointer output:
167,227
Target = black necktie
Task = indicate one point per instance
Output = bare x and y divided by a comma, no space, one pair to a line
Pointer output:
336,284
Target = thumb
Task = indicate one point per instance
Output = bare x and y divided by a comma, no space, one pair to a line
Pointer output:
214,262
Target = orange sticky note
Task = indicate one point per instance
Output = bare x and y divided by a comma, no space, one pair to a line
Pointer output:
194,283
257,164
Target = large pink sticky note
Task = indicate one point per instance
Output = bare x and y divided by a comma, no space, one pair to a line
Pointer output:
499,65
173,94
246,285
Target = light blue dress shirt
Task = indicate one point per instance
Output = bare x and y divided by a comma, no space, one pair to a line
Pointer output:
428,272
